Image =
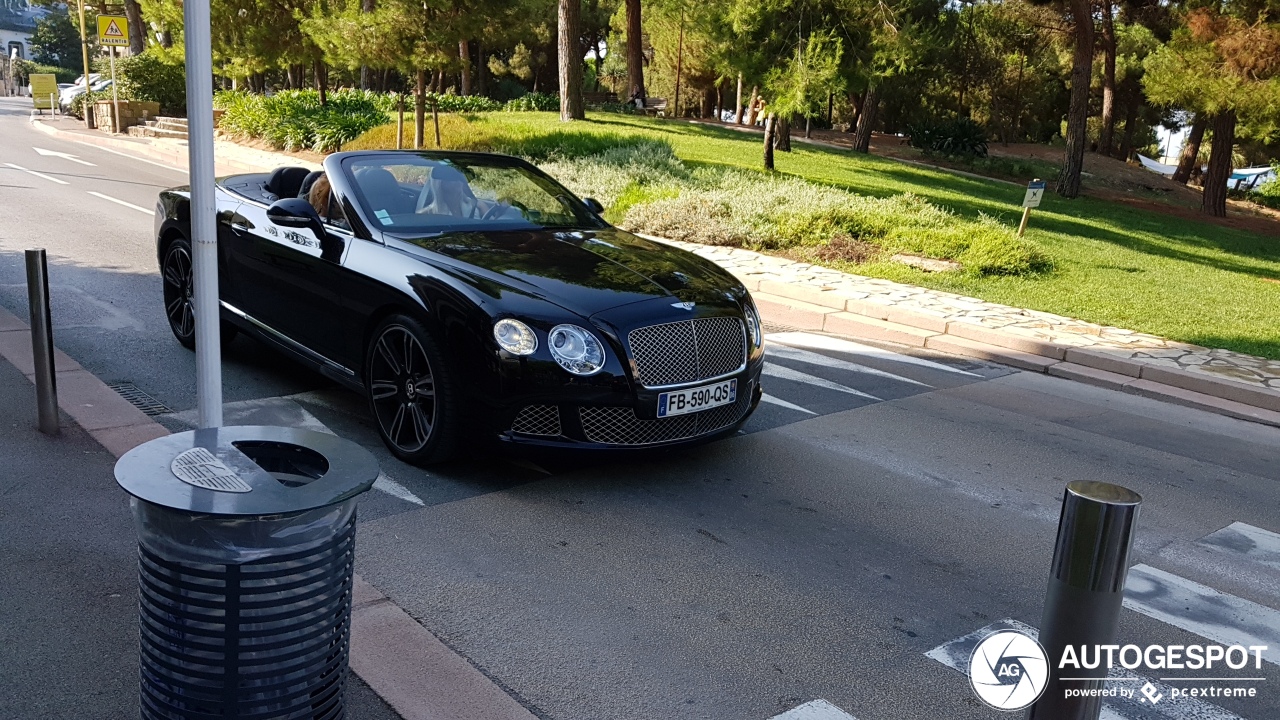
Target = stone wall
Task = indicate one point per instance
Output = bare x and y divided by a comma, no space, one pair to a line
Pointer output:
132,112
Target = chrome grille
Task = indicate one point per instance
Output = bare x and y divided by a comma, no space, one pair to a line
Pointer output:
688,350
538,420
620,426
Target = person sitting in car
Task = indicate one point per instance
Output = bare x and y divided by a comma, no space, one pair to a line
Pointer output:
451,195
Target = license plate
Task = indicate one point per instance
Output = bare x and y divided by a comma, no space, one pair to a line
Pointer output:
679,402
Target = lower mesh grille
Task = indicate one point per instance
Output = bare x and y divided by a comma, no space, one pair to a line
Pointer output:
620,426
538,420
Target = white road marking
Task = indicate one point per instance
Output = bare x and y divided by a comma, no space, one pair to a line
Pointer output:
955,654
814,358
823,342
37,174
1247,541
786,373
391,487
1200,609
815,710
141,159
117,201
64,156
783,403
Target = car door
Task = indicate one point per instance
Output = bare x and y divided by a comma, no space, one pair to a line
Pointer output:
289,279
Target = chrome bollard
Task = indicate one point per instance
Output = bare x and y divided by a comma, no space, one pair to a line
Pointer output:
1086,590
42,341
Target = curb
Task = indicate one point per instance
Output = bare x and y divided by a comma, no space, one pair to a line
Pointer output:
420,677
825,311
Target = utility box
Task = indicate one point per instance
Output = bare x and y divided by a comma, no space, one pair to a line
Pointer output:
246,545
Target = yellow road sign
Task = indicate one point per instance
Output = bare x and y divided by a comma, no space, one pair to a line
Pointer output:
44,91
113,30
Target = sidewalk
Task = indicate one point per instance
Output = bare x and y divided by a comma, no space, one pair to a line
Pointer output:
68,582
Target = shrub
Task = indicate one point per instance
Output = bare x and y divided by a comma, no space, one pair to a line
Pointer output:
77,105
464,132
22,69
962,137
533,102
153,77
295,120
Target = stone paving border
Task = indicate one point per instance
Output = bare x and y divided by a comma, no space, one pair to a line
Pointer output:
813,298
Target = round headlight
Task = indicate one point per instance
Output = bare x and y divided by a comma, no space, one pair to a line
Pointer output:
576,349
753,323
515,337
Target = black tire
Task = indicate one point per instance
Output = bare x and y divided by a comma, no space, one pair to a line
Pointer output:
412,392
179,296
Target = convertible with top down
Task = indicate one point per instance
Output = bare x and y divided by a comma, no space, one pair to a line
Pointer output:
467,293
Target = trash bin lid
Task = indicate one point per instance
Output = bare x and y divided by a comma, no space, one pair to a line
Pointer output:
247,470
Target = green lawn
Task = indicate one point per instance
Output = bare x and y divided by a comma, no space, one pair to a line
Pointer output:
1114,264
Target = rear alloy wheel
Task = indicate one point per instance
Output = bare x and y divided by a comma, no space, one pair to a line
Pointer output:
180,295
411,392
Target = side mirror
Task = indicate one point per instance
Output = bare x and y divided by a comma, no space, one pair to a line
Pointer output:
593,205
293,212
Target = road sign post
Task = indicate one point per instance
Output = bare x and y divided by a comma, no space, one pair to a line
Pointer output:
204,236
1035,192
113,32
84,55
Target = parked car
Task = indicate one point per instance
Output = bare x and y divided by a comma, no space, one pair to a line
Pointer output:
471,293
67,96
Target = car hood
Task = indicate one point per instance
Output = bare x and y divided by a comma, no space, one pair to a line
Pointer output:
588,271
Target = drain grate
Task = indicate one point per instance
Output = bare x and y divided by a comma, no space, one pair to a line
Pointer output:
139,399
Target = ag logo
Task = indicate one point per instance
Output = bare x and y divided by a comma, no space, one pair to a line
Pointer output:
1008,670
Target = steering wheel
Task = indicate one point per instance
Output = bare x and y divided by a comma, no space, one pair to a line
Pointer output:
493,212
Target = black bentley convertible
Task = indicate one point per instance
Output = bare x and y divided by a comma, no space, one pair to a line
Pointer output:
466,292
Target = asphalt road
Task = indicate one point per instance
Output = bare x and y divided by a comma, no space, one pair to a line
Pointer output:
880,504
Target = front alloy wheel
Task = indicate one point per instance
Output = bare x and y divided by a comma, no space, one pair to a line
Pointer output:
179,292
410,392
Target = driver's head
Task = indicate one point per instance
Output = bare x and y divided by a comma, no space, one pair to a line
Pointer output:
449,184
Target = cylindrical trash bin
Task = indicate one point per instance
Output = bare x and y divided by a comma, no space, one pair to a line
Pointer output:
245,554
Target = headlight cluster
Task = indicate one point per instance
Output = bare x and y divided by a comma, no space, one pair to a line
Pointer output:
754,330
575,349
515,337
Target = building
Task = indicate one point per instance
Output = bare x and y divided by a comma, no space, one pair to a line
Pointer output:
17,22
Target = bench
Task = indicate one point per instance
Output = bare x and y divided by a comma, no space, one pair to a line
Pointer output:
599,98
655,106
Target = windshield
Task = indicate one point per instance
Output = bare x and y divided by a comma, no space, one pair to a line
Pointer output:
411,193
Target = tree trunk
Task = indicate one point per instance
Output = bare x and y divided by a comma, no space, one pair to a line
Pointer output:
321,75
482,70
1219,172
1190,150
635,52
769,131
366,75
1107,137
808,127
1130,126
737,110
751,105
782,135
570,56
137,29
420,110
464,55
1078,110
866,118
679,64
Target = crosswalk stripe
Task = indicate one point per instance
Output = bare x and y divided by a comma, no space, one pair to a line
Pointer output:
1252,543
1200,609
824,342
815,710
814,358
785,373
955,654
783,403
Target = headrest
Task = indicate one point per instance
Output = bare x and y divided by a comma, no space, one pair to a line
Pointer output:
285,181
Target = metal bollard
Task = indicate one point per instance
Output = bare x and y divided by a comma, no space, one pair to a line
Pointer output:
42,341
1086,590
